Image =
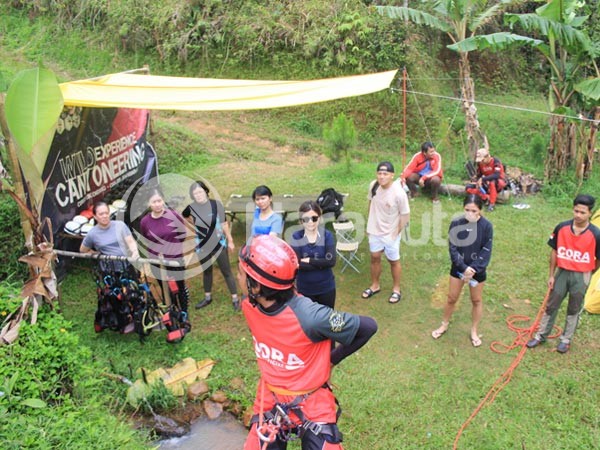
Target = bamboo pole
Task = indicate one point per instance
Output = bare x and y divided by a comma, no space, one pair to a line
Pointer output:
99,256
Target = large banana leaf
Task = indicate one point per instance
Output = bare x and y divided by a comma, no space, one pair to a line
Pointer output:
495,41
33,105
565,34
589,88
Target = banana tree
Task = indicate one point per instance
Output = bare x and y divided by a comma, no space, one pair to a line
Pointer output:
459,20
574,82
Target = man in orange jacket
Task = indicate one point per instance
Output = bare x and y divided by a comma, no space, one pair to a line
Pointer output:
424,170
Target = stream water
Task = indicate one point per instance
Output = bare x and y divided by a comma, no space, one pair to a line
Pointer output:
224,433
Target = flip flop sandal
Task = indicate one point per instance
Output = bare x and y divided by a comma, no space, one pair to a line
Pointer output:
476,341
437,333
368,293
395,297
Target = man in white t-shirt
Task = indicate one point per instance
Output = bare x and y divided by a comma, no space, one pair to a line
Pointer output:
389,212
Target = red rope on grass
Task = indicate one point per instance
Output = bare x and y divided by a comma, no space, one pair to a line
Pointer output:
523,335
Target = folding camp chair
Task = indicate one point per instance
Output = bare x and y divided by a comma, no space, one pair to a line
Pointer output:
346,244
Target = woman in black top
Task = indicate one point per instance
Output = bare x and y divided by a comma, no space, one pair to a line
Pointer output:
213,240
315,248
470,244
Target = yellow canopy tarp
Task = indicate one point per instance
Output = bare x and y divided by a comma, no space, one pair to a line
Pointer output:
127,90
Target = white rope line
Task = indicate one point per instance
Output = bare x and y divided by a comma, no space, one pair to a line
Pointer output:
419,109
433,78
516,108
427,128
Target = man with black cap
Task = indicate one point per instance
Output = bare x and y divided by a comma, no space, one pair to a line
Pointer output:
389,213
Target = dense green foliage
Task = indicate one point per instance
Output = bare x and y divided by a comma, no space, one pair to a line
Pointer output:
12,243
326,36
51,395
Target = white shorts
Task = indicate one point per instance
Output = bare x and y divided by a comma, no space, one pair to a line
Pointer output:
391,247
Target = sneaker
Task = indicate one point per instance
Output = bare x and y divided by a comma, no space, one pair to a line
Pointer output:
207,301
533,343
490,207
563,347
436,201
237,306
130,328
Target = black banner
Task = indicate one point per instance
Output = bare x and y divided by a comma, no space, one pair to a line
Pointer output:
96,154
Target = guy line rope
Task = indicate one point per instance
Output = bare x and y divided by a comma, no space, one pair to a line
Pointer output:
497,105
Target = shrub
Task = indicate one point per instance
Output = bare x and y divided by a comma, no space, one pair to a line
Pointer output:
305,125
46,360
341,137
49,391
537,150
160,399
12,241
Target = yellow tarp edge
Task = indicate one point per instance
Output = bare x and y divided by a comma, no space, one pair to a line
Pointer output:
592,295
124,90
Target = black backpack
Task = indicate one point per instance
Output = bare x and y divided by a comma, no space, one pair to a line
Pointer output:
331,201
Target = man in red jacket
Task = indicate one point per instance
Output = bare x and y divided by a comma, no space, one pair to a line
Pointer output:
490,178
424,170
292,340
575,255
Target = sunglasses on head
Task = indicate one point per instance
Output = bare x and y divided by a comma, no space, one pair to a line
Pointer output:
309,219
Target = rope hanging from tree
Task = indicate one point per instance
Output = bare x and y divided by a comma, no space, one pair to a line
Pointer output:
406,79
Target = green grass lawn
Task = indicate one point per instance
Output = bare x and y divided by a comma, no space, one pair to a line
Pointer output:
403,390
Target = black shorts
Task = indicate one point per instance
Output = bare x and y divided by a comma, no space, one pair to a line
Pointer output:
479,276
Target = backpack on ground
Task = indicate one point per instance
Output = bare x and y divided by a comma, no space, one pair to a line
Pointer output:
331,201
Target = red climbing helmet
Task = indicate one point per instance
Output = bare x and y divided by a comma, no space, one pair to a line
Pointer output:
270,261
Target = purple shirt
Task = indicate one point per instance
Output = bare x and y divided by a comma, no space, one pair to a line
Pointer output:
164,235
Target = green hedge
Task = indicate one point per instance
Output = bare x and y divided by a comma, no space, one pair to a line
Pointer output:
12,242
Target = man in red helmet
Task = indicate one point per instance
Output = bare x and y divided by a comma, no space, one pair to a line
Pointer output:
292,339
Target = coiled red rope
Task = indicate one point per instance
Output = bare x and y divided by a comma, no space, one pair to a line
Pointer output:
523,335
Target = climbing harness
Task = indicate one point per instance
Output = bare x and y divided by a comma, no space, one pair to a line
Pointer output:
277,423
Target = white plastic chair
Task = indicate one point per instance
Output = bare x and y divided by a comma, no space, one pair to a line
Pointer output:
346,245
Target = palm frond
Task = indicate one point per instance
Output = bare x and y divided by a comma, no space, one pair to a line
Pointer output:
486,16
566,35
414,16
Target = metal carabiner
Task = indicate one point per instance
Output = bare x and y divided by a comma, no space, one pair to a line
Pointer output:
267,432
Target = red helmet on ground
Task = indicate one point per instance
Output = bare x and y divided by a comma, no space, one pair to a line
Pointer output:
270,261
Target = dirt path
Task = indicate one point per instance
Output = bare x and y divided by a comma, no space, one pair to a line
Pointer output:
242,144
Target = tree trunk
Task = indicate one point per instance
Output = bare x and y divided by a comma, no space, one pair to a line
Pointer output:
570,147
557,158
476,137
588,158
